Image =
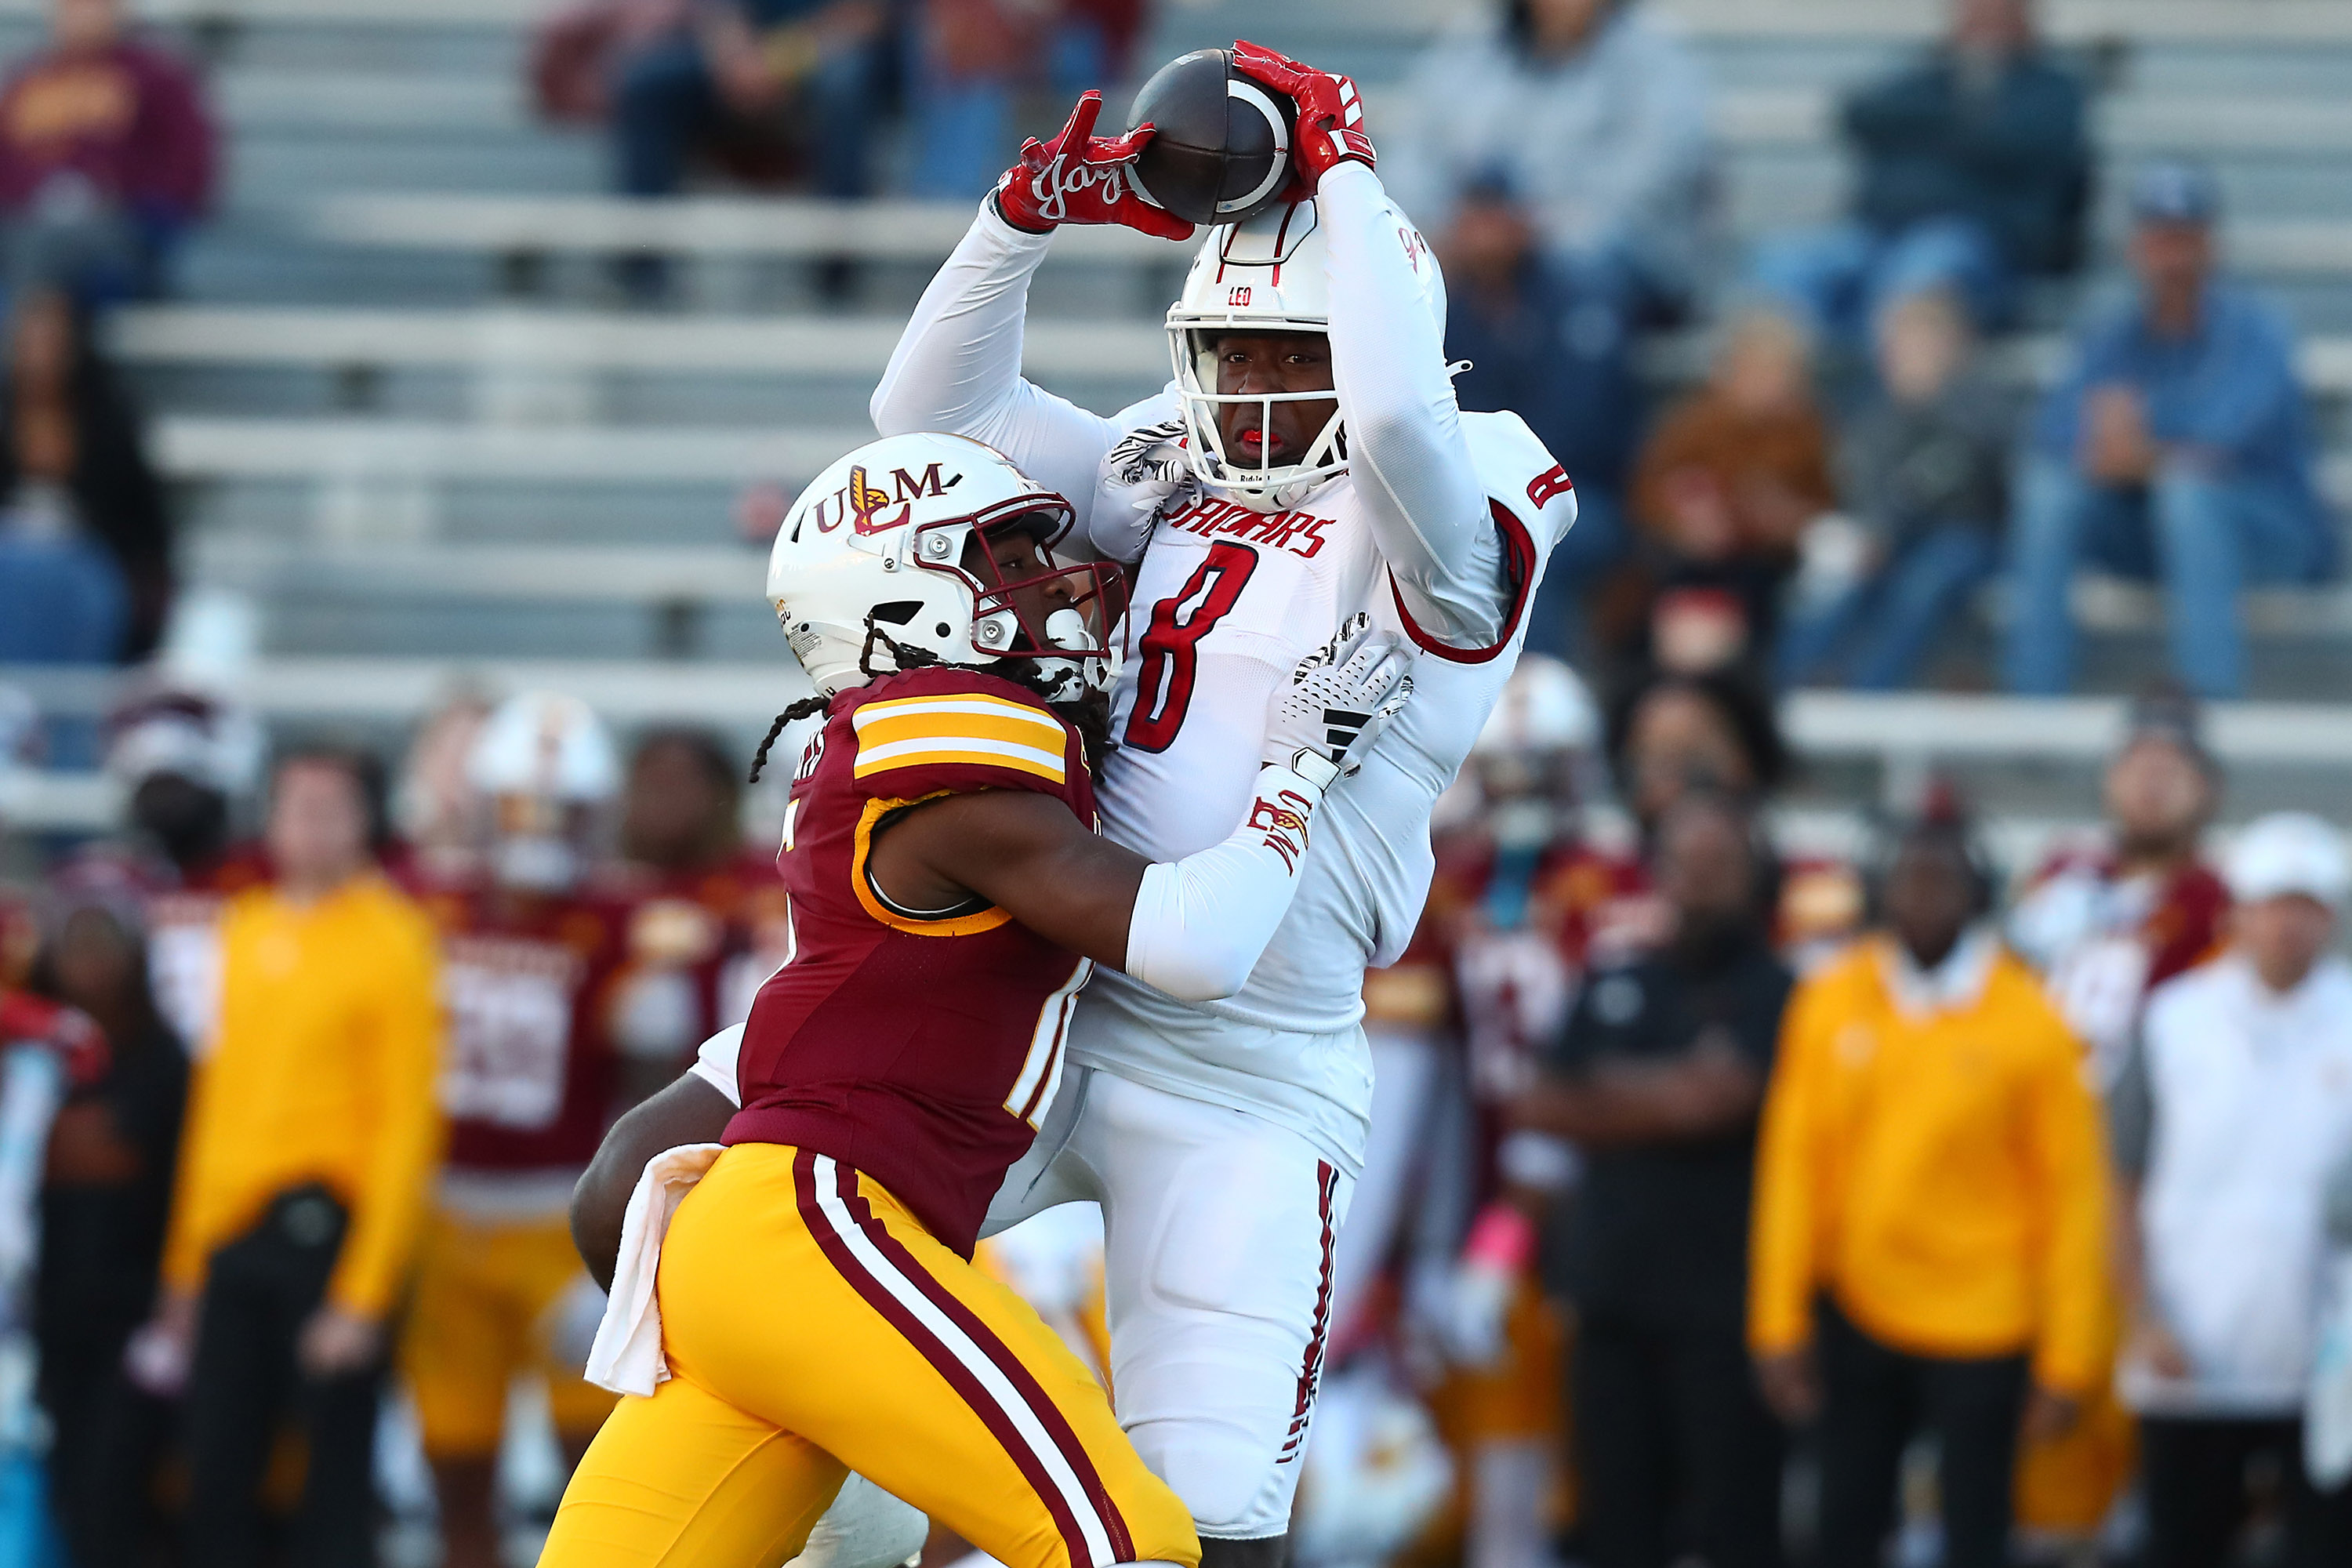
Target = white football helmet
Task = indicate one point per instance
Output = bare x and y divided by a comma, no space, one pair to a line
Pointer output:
547,767
1538,753
872,559
1545,707
1267,274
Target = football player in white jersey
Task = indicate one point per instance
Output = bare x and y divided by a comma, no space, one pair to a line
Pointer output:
1307,462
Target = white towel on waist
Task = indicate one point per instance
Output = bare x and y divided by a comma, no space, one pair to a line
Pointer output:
627,1355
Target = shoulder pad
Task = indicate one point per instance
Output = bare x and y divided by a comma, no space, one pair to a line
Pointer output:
1520,472
945,729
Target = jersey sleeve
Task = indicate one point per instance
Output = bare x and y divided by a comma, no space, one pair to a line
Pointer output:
1412,467
957,367
953,740
719,1063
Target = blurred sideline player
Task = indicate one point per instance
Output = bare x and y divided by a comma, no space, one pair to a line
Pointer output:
704,898
1310,461
2109,922
186,758
1492,973
2105,924
812,1304
535,959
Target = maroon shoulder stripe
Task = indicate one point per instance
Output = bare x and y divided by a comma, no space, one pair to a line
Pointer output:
942,1360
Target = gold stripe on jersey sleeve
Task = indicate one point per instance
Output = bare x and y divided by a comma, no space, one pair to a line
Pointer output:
973,730
863,845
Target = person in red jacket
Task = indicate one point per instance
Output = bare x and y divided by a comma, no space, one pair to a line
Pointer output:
106,158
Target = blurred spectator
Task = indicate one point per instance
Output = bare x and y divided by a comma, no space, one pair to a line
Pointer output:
1562,367
762,86
1455,1028
1679,732
1657,1081
2234,1111
2177,445
309,1147
1596,117
970,57
106,158
1721,494
74,477
1975,169
537,973
111,1154
1930,1222
1925,462
2107,923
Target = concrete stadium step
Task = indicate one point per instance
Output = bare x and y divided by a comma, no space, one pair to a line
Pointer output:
555,341
530,343
2277,22
269,174
1772,188
800,227
385,452
253,100
570,574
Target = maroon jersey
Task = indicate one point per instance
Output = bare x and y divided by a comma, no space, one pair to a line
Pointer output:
530,1075
918,1048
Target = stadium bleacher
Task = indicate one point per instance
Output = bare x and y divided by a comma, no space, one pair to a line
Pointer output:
408,423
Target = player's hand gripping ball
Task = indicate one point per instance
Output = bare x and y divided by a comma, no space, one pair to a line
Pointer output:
1330,112
1080,177
1221,150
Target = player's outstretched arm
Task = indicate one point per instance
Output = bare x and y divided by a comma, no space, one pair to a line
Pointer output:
1406,451
957,367
689,1111
1192,928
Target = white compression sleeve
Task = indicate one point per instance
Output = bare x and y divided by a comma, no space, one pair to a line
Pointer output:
957,367
1199,924
1406,448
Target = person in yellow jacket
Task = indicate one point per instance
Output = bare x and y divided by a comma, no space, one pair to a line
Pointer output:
1929,1234
311,1136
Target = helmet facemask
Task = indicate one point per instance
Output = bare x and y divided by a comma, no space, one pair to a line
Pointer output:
1197,350
1033,608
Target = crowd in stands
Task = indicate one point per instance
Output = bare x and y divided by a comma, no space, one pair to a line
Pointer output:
107,159
1826,505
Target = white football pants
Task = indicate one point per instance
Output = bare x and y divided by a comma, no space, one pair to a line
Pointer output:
1219,1229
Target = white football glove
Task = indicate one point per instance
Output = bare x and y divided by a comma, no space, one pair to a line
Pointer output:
1339,699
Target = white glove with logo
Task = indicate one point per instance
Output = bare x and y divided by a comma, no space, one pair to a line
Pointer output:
1339,699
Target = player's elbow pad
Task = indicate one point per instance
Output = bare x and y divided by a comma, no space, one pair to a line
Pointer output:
1175,945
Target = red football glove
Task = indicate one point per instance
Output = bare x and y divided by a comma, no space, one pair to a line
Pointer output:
73,1034
1080,177
1330,112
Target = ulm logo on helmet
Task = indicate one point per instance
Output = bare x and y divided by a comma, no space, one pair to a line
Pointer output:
858,501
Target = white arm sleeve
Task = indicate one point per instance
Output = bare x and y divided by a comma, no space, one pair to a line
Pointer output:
956,368
1199,924
715,1063
1413,467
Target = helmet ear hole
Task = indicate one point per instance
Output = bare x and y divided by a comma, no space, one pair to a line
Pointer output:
897,612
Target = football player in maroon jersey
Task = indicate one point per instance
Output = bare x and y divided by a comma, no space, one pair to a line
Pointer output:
536,970
815,1305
